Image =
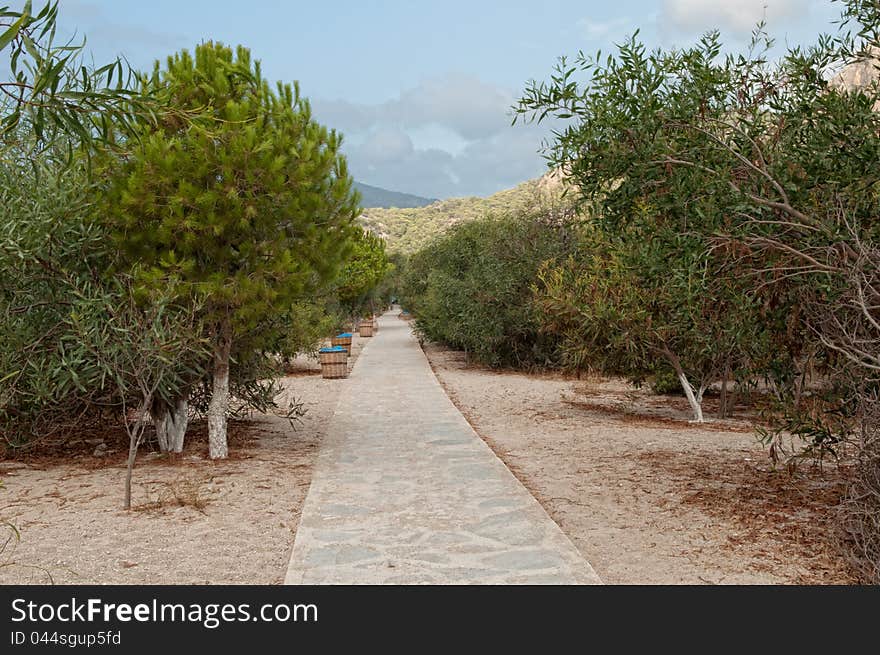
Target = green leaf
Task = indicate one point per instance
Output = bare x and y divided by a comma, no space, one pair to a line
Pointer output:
10,34
31,48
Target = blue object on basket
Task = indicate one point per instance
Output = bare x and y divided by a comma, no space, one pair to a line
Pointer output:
343,335
333,349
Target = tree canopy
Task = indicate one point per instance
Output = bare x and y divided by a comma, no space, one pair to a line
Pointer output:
247,206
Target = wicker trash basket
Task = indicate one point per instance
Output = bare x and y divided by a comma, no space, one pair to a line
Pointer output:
365,328
334,362
344,340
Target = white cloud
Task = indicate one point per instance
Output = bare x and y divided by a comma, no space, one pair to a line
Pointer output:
448,136
735,15
462,103
600,29
386,144
484,167
110,35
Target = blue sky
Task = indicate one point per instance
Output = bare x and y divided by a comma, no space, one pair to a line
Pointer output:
422,90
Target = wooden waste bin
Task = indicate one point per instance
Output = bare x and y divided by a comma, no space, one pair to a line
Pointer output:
344,340
365,328
334,362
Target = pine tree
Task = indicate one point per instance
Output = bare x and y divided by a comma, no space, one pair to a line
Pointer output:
366,268
247,206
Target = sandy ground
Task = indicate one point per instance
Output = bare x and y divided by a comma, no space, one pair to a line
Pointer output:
647,497
194,521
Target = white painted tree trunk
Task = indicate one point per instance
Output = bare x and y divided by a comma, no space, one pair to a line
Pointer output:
217,408
694,399
171,423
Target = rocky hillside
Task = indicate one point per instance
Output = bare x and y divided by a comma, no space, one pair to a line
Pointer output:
860,75
407,230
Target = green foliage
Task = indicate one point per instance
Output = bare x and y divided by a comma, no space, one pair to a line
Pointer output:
229,212
472,288
359,283
49,258
68,328
247,206
250,205
52,94
72,338
646,302
713,179
665,382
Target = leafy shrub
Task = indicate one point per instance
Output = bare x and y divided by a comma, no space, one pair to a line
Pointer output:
665,382
67,322
473,288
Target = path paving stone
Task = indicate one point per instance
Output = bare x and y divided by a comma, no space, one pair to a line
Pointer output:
404,491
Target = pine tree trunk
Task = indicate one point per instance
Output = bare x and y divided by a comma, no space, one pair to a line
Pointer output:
217,408
171,423
159,413
178,422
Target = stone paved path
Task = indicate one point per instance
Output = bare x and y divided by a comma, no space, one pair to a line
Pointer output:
405,492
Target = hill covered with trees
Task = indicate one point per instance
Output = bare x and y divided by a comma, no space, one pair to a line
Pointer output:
373,196
406,230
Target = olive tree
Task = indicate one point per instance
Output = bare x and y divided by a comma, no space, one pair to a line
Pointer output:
51,94
656,219
472,287
767,171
